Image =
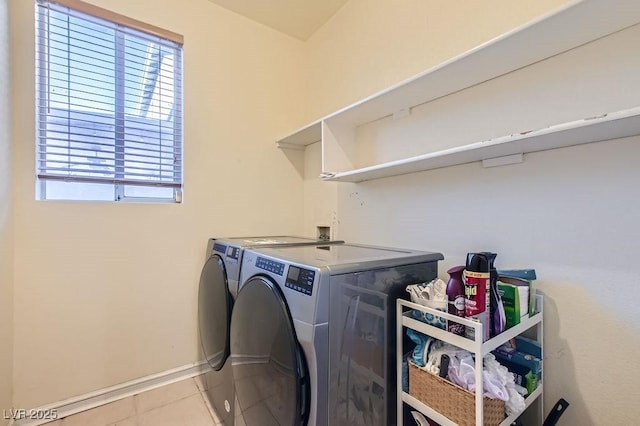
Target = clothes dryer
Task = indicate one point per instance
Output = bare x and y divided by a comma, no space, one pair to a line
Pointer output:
216,293
313,335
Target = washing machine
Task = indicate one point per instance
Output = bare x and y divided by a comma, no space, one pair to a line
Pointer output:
217,290
313,335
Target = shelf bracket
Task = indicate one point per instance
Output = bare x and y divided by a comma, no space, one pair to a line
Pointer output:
503,161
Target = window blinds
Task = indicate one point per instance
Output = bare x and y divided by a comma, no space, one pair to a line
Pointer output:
109,101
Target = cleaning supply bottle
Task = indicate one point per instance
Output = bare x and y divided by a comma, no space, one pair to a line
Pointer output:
476,277
455,296
498,318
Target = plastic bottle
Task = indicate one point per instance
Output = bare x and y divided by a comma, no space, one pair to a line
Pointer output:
498,318
455,296
476,277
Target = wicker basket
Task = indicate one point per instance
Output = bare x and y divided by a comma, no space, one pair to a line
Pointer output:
451,400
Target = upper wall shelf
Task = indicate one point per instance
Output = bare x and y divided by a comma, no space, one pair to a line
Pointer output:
612,126
575,25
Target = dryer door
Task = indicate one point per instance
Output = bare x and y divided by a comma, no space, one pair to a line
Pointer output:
269,368
214,312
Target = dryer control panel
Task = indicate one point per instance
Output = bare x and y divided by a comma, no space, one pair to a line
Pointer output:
233,252
301,280
220,248
270,265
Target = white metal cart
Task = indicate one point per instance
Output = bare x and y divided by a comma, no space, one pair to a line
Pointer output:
475,346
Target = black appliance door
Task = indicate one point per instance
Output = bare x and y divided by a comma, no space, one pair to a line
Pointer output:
269,369
214,312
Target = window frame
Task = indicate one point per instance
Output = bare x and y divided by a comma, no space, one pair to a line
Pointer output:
42,61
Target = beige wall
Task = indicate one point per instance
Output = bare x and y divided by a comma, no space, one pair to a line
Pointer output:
6,215
569,213
107,292
371,44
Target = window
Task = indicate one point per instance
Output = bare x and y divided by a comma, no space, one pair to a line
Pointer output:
109,106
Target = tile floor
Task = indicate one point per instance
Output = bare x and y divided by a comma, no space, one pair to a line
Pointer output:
179,404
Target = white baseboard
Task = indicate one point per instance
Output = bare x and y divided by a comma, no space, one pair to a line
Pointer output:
105,396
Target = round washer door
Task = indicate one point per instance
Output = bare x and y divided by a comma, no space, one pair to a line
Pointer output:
269,368
214,312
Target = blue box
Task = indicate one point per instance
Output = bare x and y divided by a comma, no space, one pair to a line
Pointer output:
528,346
526,360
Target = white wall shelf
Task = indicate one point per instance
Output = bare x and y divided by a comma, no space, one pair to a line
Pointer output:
615,125
302,137
573,26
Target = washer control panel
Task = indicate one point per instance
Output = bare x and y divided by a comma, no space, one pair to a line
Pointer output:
270,265
301,280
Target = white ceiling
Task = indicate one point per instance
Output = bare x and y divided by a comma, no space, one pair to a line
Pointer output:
298,18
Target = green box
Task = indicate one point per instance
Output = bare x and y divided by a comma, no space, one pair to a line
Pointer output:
515,299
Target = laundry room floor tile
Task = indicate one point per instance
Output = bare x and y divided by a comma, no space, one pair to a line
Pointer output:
178,404
201,383
104,415
212,411
131,421
164,395
190,411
